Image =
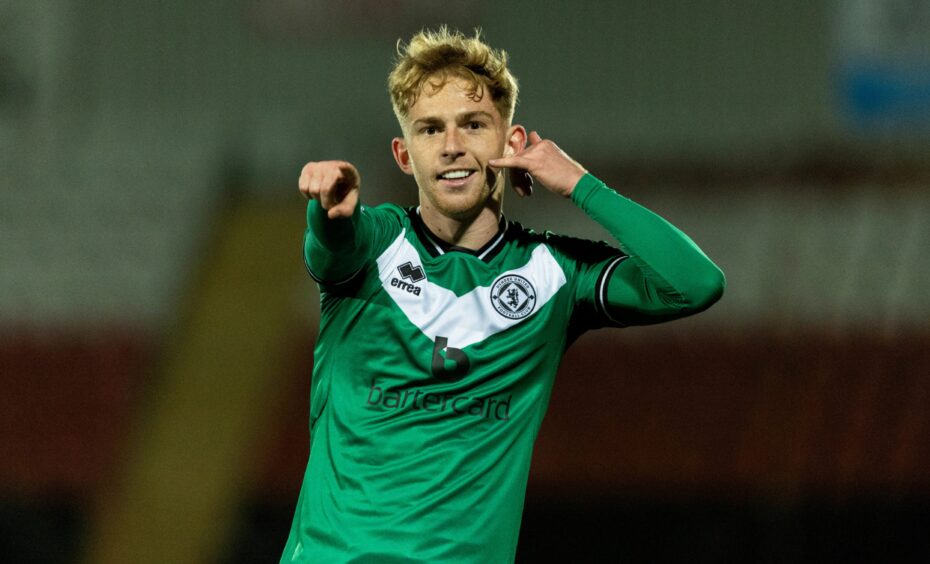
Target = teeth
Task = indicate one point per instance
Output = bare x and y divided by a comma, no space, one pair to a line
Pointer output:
451,175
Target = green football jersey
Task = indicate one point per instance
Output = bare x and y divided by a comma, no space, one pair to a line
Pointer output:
433,370
434,366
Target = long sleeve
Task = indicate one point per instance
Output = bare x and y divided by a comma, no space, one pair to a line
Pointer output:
335,249
664,275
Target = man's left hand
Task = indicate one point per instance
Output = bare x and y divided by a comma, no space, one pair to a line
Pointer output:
543,160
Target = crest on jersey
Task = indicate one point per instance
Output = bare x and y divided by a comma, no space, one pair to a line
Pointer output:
513,296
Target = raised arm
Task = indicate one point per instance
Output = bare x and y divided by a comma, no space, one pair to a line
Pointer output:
664,275
335,242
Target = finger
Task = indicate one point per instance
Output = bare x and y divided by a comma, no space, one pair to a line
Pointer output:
303,181
329,195
521,182
508,162
346,207
516,181
534,138
313,186
347,174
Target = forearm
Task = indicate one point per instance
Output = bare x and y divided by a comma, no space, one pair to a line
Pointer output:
666,274
334,249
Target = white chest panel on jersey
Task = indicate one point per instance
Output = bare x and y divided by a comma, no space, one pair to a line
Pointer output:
513,297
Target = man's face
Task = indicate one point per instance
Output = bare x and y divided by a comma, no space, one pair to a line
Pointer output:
448,139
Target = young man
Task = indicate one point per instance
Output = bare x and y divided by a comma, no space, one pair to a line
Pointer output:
442,326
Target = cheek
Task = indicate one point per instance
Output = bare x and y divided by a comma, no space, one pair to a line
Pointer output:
419,153
418,172
490,176
413,159
484,149
497,147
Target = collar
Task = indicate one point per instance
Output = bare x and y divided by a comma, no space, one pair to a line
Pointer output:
437,247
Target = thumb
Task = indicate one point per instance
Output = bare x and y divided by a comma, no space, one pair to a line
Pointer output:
345,207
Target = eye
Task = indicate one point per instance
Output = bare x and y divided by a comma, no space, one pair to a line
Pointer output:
430,130
475,125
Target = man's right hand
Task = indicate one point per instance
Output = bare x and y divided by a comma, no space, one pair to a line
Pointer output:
334,183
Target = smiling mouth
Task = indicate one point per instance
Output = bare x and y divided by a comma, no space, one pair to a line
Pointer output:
455,175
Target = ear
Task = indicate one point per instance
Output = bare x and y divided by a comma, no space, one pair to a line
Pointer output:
516,140
401,155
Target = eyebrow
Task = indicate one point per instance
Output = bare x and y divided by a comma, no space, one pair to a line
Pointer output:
467,116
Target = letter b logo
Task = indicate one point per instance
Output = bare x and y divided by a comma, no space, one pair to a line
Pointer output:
441,362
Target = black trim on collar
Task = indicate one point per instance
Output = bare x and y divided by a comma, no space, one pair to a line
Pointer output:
436,246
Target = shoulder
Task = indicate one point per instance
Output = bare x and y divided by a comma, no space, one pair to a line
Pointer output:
387,220
565,247
387,211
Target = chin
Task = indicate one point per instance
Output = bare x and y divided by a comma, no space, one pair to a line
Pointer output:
460,209
462,205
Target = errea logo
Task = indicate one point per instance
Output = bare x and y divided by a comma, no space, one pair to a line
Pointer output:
513,296
412,273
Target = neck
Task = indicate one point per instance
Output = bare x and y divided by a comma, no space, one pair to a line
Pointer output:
470,232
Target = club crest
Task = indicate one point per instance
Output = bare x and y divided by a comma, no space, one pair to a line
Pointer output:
513,296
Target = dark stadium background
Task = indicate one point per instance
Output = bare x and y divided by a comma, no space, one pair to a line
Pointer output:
156,325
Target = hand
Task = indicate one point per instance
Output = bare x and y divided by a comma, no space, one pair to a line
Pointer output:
549,164
521,181
334,183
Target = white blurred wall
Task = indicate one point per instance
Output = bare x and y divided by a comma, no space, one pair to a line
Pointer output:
125,124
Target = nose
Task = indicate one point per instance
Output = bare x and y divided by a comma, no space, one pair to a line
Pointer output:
452,146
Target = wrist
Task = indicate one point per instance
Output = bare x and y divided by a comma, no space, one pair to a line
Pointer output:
579,189
572,183
586,186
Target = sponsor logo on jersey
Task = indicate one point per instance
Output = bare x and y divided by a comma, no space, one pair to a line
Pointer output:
412,273
449,363
513,296
494,408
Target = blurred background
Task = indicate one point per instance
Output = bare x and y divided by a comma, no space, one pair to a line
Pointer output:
157,324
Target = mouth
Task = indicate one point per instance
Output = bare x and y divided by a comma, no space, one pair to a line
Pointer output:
455,177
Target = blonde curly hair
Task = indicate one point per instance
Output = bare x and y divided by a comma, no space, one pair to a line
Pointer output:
432,58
